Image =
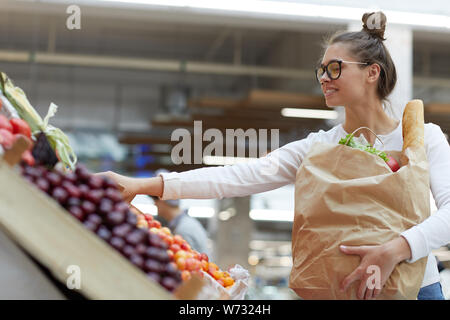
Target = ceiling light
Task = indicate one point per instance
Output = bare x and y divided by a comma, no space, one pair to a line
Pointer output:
147,208
253,260
201,212
309,113
296,9
271,215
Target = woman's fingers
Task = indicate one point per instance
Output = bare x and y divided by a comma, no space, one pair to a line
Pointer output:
369,294
376,293
355,275
357,250
362,290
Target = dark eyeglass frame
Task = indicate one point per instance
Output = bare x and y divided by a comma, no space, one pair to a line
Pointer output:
324,68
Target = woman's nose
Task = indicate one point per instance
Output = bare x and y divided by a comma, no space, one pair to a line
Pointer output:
324,77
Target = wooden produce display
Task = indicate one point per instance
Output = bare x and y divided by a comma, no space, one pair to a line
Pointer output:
74,224
56,239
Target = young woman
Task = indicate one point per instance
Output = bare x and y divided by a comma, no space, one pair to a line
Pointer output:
358,73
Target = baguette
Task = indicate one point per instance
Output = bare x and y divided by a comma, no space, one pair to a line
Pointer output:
413,125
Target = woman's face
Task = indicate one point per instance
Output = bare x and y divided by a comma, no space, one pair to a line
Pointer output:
349,88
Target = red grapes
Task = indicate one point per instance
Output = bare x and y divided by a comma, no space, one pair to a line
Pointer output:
97,203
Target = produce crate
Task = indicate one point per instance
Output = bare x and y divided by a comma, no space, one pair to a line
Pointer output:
57,240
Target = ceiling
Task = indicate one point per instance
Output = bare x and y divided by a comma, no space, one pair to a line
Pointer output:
128,100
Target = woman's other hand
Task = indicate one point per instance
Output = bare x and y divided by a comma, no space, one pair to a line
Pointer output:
377,264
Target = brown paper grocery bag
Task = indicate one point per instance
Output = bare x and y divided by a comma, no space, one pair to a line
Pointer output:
351,197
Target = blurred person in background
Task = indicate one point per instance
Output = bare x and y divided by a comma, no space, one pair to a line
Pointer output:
180,222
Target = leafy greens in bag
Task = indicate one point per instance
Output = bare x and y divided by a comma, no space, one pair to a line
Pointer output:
361,144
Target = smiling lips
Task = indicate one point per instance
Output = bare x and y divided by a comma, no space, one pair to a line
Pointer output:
329,91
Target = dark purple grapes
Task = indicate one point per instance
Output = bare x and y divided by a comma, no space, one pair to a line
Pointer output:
157,254
155,241
137,260
31,171
131,218
136,236
171,270
109,183
84,188
113,194
97,203
88,207
54,178
104,233
105,206
117,243
153,266
128,251
42,184
82,173
95,196
95,182
73,201
154,276
71,177
77,212
122,206
122,230
114,218
141,248
169,283
71,189
95,218
90,225
60,195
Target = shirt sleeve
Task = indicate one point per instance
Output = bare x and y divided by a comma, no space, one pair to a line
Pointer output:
434,232
272,171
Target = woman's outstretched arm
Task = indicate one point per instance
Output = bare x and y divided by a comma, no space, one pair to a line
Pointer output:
272,171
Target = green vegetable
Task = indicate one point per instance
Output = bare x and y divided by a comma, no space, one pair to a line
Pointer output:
57,139
350,141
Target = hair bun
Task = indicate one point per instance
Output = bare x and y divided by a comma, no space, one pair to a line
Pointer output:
374,23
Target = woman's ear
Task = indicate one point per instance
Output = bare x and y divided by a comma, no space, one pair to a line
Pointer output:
373,72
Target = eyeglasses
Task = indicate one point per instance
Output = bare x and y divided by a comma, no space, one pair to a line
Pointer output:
333,69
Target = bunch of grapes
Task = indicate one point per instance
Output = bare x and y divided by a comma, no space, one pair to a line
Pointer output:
97,203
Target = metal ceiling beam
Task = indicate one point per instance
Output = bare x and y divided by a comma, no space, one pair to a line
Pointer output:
152,64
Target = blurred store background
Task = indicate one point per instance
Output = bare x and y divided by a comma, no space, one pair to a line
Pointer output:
136,71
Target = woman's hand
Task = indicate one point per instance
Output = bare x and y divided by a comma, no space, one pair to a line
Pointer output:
377,263
130,187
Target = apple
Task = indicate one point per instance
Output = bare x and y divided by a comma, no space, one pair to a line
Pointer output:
20,126
8,138
393,164
5,124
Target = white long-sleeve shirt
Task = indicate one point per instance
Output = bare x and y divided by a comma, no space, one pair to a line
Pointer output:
249,178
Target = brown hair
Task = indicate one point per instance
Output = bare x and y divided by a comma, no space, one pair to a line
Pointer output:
367,46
